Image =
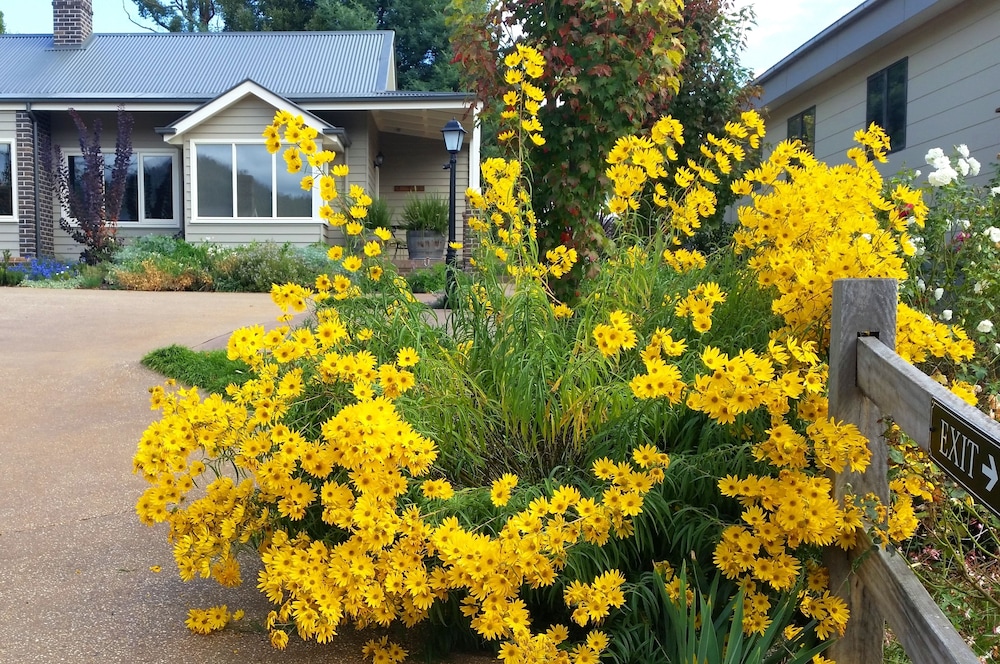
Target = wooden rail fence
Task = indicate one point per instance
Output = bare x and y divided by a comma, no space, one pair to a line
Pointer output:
869,380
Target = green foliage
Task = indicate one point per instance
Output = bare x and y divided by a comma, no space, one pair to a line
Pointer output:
9,277
423,53
161,263
255,267
93,276
614,73
181,15
953,269
379,214
699,621
427,279
209,370
426,213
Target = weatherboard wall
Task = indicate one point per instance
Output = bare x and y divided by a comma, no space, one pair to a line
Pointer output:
414,167
244,121
952,91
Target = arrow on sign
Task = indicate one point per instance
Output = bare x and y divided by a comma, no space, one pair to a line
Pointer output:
991,473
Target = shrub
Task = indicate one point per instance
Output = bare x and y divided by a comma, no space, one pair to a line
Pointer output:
427,279
160,273
8,275
259,265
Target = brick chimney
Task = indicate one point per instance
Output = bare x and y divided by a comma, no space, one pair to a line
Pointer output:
72,22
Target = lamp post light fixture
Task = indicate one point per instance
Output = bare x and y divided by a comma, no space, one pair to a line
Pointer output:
453,134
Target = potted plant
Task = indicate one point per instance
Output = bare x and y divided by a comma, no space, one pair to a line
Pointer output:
426,222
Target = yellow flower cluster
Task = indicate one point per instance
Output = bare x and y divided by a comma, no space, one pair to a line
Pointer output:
843,227
524,99
636,161
561,260
684,260
611,338
919,338
699,304
593,602
661,379
212,619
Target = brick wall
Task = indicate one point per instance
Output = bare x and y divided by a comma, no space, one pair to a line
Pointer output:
25,156
72,22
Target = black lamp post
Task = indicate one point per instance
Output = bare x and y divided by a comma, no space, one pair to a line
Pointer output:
453,134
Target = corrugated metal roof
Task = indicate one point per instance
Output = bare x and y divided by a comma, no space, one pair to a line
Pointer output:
196,66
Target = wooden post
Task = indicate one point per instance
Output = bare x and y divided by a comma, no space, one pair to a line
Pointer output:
861,308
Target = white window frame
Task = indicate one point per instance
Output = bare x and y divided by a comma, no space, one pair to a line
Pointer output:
276,162
175,179
12,143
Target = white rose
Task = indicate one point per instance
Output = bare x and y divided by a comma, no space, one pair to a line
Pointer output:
942,162
921,286
963,166
964,223
974,165
995,191
932,154
946,314
938,293
916,173
985,326
963,150
942,176
993,233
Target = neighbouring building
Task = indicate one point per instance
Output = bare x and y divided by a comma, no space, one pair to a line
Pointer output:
927,71
200,102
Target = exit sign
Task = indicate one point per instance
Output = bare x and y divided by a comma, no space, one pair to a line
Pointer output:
967,454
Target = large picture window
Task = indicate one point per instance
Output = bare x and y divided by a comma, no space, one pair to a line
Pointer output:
149,186
887,102
802,126
245,181
6,180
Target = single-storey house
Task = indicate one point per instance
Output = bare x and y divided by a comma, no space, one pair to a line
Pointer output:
200,102
927,71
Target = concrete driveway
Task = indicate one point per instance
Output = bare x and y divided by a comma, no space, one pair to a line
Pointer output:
75,579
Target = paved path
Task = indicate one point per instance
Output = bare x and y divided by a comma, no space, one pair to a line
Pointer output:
75,579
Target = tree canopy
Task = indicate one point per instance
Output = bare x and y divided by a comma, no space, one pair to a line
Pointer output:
180,15
423,51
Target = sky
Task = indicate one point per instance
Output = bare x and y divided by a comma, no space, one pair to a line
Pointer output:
782,25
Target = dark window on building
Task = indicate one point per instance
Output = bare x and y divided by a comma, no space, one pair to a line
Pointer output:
6,180
803,127
887,102
149,185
